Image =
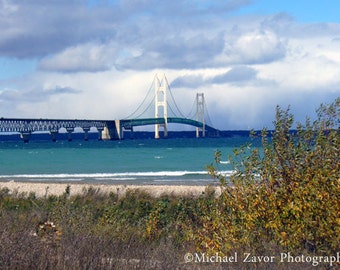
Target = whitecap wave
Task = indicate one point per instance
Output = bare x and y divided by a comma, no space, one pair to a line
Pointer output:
225,162
152,175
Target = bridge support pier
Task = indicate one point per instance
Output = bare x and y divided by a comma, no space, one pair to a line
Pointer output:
113,130
157,130
86,133
69,131
54,135
100,133
131,133
25,136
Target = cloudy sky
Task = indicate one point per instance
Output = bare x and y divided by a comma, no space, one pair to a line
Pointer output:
96,59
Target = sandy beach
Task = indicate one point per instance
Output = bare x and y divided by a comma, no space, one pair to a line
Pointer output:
46,189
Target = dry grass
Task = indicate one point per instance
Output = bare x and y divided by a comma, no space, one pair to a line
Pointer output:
101,231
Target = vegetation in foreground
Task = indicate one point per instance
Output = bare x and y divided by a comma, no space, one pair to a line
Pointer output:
284,197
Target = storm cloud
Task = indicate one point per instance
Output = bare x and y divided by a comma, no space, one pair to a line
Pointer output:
63,58
236,75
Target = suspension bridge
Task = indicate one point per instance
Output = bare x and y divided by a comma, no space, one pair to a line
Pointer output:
159,101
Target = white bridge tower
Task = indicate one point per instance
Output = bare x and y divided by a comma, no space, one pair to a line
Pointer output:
200,104
161,105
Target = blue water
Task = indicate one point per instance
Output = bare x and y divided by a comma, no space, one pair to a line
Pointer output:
139,161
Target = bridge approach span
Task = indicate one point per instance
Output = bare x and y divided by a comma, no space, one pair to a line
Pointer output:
26,126
107,129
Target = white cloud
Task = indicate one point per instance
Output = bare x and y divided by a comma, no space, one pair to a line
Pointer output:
85,57
257,47
99,61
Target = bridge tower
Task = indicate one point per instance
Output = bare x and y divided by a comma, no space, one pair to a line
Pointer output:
200,104
161,105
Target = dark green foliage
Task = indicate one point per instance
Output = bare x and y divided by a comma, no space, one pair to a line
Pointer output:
285,195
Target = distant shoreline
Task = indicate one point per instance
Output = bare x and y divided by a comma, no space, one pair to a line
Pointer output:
57,189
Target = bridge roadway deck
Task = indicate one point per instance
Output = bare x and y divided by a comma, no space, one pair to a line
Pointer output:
32,125
128,123
115,128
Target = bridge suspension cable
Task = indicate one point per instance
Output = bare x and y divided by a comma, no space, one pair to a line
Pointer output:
173,99
149,99
207,116
145,110
192,111
146,107
134,114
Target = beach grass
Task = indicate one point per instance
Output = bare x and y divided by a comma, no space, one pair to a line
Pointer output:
94,229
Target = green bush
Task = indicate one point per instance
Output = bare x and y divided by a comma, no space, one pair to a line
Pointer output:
286,195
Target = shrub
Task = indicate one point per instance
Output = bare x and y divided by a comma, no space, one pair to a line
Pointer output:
285,195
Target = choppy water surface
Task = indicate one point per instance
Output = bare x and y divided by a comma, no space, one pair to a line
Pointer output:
140,161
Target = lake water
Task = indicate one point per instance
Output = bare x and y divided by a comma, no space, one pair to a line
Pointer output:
170,161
